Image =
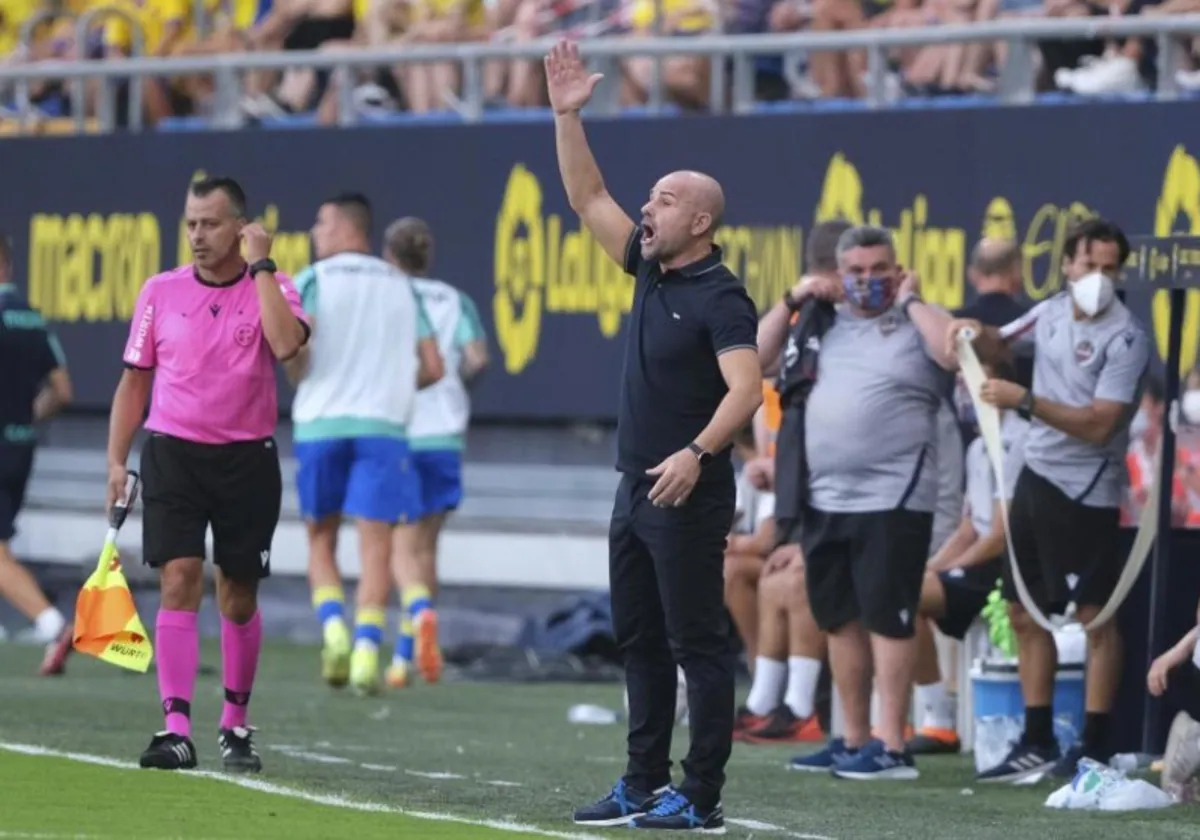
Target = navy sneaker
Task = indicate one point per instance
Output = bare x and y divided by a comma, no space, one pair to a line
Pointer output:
673,811
1023,761
621,805
824,760
1068,765
875,761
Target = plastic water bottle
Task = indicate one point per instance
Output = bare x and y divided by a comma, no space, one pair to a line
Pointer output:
1128,762
994,737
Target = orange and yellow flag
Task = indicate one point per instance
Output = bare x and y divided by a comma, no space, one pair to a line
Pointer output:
107,625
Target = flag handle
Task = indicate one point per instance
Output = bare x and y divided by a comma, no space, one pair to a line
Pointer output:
120,510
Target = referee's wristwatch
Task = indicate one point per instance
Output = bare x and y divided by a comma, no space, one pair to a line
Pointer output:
1025,406
702,454
267,264
908,301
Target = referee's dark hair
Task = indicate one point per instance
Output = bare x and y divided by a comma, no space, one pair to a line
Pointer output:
410,243
204,187
820,254
356,207
1095,230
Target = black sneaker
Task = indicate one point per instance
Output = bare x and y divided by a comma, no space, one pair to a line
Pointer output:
1069,763
621,805
168,751
237,750
1022,762
675,812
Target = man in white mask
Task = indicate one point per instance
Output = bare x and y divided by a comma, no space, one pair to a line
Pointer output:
1090,359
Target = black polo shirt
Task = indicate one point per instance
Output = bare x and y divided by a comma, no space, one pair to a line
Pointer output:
671,384
28,353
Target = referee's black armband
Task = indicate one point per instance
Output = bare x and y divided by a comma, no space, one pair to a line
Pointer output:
131,366
307,329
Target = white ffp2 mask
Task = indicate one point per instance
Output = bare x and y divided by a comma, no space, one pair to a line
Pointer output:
1092,293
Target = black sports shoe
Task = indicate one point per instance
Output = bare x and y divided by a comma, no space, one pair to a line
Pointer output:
1069,763
674,811
237,751
1022,762
621,805
168,751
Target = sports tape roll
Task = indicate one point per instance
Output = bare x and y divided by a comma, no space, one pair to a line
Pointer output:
989,429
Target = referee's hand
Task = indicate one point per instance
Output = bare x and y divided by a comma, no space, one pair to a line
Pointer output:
118,478
677,477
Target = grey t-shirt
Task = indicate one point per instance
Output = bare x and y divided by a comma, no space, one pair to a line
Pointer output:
1076,363
983,491
950,469
870,421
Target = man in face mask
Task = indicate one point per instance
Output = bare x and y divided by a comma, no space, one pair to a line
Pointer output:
871,444
1090,359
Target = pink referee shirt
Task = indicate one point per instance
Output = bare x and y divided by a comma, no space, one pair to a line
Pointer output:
214,373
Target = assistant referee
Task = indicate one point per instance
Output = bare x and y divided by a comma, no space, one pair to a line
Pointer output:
690,380
207,335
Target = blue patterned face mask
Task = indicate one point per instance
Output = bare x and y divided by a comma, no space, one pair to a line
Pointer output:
870,294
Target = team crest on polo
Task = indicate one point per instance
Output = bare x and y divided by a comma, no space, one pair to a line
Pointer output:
1084,351
888,323
244,335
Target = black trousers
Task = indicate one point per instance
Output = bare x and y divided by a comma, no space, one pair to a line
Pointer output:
666,576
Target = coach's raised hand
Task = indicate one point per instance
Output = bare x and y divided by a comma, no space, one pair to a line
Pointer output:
568,83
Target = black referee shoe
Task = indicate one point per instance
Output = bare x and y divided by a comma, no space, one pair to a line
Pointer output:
168,751
237,750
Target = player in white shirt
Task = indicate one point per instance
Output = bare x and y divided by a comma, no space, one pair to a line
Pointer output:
437,434
372,348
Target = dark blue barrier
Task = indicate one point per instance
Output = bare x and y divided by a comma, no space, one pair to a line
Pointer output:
92,217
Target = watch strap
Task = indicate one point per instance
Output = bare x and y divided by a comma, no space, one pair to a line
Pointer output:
267,264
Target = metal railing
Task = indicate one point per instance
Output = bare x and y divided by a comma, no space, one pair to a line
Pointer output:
739,51
26,74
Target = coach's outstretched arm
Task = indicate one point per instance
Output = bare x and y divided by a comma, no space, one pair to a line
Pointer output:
570,87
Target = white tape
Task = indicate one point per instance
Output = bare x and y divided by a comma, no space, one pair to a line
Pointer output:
989,429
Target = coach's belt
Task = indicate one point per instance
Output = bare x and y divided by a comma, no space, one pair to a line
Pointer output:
989,429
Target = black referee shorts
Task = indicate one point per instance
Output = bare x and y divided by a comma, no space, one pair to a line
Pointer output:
866,567
234,487
16,463
1055,536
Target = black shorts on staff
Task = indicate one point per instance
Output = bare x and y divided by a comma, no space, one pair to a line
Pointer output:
965,593
1055,536
866,567
16,462
234,487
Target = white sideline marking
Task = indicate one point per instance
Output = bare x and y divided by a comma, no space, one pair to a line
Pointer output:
304,796
379,768
319,758
502,783
22,835
426,775
755,825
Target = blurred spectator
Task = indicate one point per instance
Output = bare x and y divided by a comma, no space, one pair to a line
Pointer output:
1145,434
52,38
833,74
433,87
752,539
685,78
749,17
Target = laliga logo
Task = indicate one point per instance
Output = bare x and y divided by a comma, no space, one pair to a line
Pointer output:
519,270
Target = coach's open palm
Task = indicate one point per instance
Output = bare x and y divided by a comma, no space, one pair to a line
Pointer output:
567,81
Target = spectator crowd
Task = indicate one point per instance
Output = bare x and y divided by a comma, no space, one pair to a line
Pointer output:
37,30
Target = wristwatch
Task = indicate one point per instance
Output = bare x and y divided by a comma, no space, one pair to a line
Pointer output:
702,454
909,301
791,302
1025,406
267,264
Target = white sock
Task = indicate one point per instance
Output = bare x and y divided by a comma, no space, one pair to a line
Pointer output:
770,677
802,685
49,624
938,707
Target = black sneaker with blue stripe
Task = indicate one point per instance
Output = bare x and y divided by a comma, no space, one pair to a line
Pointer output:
876,761
674,811
823,760
621,805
